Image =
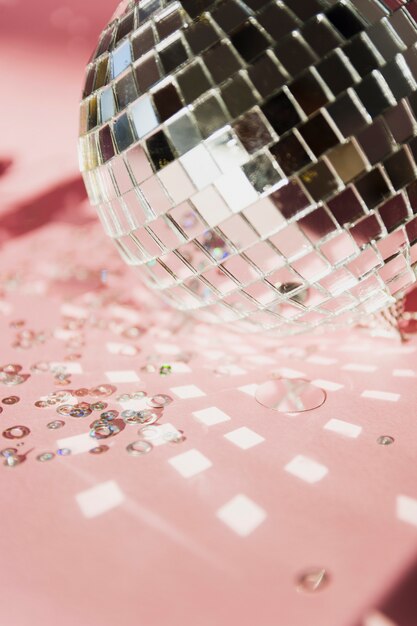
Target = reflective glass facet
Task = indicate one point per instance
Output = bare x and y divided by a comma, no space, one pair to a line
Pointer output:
264,154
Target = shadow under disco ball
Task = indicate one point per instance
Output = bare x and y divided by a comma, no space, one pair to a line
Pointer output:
257,159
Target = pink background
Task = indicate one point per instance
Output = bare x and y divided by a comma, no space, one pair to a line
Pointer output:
161,554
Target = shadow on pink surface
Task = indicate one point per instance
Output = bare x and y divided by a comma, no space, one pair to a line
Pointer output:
400,606
63,202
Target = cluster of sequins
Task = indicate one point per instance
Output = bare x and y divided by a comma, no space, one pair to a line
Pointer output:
109,423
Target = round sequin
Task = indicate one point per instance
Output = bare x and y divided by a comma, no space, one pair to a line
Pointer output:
45,456
63,451
312,580
42,367
138,394
99,449
80,393
148,368
55,424
41,404
8,451
84,406
98,406
13,460
11,400
12,380
290,395
109,415
102,390
175,436
385,440
11,368
125,397
65,409
104,430
134,418
165,370
62,381
139,448
133,332
79,412
160,400
16,432
149,432
60,395
73,357
52,401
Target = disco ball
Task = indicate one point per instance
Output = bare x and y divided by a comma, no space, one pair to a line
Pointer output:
257,159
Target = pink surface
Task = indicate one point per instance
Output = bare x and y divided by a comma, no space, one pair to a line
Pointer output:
163,554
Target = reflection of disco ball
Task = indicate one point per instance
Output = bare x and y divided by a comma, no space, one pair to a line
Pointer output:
256,158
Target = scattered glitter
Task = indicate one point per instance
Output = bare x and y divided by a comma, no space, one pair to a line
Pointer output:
99,450
13,460
17,324
109,415
16,432
85,406
139,448
63,451
125,397
385,440
149,368
102,390
12,379
11,400
8,451
77,413
40,368
73,357
98,406
312,580
45,456
52,401
139,417
174,437
55,424
11,368
133,332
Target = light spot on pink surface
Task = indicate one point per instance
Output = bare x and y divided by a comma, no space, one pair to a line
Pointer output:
99,499
307,469
122,376
328,385
407,509
190,463
241,515
244,438
210,416
381,395
343,428
188,391
78,443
